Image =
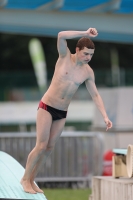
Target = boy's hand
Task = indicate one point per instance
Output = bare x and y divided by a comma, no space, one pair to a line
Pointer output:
92,32
108,123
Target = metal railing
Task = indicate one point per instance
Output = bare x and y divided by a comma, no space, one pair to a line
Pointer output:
76,157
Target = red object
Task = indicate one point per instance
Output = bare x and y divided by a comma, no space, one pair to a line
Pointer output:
107,163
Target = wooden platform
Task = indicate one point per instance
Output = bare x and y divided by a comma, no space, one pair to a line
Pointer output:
109,188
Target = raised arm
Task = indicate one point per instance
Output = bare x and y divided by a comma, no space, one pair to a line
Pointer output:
91,87
64,35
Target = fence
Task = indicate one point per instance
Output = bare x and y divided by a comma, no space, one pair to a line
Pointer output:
76,157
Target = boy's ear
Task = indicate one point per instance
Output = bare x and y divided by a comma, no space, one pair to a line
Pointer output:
77,49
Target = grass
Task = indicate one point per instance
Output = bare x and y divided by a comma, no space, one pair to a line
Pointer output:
67,194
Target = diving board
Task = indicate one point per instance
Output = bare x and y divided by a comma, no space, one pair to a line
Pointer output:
120,151
122,162
11,173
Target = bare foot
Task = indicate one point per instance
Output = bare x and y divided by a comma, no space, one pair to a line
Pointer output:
36,188
27,186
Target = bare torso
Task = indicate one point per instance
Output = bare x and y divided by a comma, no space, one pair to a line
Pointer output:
66,79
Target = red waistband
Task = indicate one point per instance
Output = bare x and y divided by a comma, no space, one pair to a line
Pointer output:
42,105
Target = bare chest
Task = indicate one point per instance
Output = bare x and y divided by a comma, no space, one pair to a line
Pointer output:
73,75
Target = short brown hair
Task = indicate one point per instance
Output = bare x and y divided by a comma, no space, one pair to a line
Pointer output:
85,42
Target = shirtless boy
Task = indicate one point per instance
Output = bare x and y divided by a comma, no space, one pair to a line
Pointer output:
71,71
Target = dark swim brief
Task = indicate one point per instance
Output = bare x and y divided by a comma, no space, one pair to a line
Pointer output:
55,113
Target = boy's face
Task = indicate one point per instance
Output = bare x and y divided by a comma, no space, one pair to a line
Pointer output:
84,55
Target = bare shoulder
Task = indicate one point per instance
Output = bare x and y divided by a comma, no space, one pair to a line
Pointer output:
90,72
64,60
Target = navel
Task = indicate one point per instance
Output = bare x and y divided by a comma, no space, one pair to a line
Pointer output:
66,72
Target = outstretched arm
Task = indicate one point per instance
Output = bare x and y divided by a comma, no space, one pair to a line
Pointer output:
91,87
63,35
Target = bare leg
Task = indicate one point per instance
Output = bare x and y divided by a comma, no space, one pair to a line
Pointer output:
35,172
44,121
55,132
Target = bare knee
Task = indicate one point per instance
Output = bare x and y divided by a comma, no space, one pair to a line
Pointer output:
49,148
41,148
